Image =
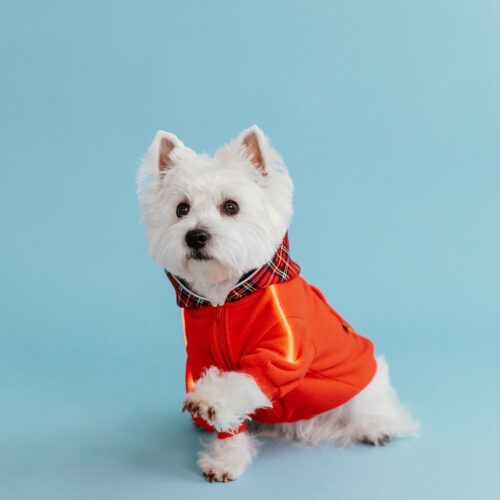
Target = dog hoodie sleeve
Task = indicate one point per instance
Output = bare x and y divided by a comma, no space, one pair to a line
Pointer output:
281,357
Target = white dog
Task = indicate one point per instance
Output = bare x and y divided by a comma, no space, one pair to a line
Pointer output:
262,343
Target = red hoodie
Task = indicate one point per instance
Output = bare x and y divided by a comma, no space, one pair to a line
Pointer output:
279,329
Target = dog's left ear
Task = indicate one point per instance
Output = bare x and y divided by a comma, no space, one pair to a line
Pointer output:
254,143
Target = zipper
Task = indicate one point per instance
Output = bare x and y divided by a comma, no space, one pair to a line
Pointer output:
221,337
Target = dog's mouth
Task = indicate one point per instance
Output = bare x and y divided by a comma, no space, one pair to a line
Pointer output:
199,255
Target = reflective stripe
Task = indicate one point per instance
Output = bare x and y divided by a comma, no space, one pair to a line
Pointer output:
290,352
189,376
184,326
190,387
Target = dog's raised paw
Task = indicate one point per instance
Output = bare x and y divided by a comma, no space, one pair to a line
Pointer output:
198,408
211,413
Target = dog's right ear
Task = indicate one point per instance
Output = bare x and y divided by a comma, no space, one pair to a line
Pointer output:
166,148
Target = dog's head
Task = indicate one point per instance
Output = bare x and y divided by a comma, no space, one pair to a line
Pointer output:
214,219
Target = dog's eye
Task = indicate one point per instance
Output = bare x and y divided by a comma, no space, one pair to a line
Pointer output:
182,209
230,207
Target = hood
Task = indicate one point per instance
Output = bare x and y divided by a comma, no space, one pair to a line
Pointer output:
277,270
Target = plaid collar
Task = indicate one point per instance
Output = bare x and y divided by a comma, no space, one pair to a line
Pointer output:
279,269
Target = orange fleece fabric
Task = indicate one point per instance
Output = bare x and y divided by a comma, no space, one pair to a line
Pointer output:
304,356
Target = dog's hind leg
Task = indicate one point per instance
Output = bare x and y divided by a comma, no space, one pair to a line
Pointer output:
375,415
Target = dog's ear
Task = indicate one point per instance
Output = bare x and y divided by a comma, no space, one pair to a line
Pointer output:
254,142
166,148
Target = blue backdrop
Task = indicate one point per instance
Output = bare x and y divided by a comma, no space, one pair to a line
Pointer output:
388,116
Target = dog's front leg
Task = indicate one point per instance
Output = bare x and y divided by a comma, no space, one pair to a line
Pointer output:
226,459
225,400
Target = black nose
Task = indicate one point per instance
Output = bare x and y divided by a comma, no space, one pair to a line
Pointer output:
197,238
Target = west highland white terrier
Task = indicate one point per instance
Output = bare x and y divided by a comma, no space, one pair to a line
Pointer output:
263,346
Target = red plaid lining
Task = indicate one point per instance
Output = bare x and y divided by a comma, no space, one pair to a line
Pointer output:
279,269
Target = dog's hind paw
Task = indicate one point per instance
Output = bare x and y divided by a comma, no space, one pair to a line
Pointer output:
377,441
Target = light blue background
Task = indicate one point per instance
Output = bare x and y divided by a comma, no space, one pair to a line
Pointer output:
387,114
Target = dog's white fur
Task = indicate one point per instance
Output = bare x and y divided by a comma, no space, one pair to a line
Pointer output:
252,173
